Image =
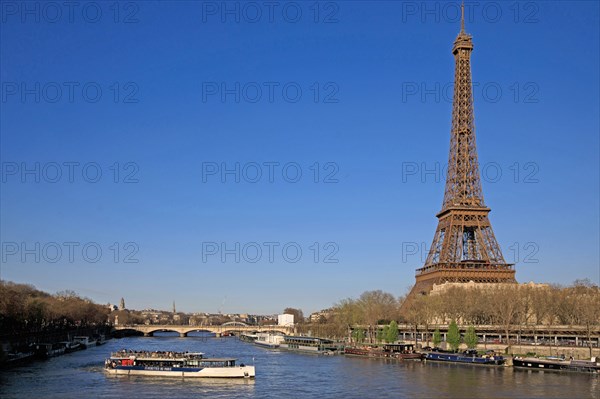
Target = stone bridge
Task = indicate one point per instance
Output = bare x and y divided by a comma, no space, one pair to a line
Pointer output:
183,330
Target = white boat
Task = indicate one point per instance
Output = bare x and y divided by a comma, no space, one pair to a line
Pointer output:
175,364
85,341
268,340
308,344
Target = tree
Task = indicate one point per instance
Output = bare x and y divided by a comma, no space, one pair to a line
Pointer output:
376,306
430,306
471,338
453,336
382,334
508,305
476,307
585,307
413,313
452,304
392,332
358,335
24,309
437,338
542,306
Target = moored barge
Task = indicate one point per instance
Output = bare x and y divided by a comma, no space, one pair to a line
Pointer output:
46,350
557,364
308,344
467,357
387,351
267,340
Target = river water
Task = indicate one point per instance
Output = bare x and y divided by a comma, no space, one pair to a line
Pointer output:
282,374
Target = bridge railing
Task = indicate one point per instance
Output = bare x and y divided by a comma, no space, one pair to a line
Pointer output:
200,327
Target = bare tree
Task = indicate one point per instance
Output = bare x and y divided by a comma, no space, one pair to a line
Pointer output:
414,313
585,300
507,306
377,306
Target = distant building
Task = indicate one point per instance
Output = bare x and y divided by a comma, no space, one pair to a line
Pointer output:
321,315
122,304
285,320
440,288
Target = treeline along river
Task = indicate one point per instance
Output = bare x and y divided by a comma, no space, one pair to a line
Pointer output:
281,374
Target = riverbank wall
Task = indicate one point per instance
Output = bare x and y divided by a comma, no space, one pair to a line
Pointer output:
577,352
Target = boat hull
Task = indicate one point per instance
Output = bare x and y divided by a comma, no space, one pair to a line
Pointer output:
556,365
456,358
269,341
266,344
301,348
207,372
381,354
17,359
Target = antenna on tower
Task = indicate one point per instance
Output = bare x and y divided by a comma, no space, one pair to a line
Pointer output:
462,17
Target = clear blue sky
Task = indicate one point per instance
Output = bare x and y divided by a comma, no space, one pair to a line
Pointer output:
379,70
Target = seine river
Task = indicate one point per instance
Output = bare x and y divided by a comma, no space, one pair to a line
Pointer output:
284,375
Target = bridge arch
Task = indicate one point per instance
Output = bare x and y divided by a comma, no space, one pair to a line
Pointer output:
185,331
150,332
127,331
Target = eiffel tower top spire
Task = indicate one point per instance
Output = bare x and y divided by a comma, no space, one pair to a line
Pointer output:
462,18
463,40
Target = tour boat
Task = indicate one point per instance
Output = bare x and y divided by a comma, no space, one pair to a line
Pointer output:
558,364
176,364
387,351
308,344
267,340
467,357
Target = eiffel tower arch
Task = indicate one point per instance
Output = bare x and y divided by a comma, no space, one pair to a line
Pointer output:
464,247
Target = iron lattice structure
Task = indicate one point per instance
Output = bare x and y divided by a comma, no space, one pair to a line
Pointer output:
464,247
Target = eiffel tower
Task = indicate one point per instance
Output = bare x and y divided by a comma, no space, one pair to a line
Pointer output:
464,247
